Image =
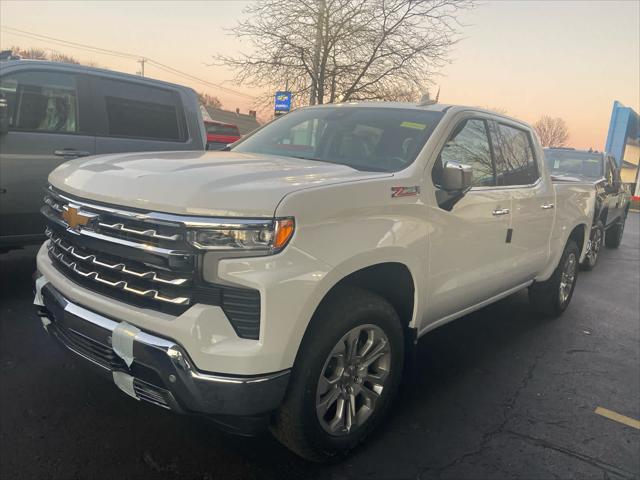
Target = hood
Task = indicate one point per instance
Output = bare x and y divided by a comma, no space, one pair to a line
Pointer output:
223,184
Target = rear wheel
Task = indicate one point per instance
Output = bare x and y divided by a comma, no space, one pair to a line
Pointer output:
552,296
614,233
346,374
595,244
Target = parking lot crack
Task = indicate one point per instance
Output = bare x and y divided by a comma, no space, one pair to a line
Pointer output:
605,467
488,437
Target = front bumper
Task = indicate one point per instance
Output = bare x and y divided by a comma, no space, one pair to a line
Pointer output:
158,370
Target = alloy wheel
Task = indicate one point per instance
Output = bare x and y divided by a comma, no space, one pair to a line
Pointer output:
353,377
594,246
568,277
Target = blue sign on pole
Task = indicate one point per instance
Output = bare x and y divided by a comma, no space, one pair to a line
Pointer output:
283,102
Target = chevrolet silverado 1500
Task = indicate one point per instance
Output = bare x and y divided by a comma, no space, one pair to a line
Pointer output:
282,283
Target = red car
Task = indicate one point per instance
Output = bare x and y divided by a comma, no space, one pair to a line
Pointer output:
219,134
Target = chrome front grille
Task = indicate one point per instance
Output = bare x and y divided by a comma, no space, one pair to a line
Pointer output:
140,258
146,274
84,266
133,279
146,234
149,230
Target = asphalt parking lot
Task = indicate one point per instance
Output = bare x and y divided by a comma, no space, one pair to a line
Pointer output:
499,394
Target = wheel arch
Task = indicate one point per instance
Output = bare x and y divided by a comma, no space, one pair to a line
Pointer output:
579,234
581,237
393,281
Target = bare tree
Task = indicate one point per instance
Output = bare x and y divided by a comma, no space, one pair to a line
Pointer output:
41,54
209,100
553,132
339,50
63,58
30,53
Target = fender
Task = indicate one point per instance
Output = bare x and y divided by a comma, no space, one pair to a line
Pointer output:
559,249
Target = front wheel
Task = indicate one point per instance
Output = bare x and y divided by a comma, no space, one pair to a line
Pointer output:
347,372
552,296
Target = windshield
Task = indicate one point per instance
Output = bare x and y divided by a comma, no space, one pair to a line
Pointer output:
364,138
574,164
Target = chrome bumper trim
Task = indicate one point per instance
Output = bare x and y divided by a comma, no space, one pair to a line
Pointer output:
185,388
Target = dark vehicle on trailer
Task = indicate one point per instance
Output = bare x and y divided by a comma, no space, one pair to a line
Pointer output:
612,196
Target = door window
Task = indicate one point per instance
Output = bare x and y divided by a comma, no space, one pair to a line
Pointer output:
41,101
515,162
469,145
134,118
135,110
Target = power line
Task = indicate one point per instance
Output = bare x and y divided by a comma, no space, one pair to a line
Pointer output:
81,46
138,58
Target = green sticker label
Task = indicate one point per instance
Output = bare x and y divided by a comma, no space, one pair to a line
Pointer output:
417,126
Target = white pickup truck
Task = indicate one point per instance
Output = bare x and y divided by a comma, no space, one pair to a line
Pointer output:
282,283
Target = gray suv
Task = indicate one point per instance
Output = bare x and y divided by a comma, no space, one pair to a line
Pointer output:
53,112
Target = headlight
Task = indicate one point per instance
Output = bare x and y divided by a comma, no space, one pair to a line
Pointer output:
270,236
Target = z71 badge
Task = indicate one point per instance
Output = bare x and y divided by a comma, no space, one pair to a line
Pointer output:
405,191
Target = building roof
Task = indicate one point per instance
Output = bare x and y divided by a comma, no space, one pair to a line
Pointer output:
246,123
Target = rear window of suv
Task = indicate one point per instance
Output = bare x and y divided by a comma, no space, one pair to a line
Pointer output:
364,138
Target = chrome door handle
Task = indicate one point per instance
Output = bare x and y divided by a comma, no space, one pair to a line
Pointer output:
67,152
501,211
547,206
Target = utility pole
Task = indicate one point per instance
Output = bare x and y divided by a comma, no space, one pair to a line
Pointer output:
316,54
141,62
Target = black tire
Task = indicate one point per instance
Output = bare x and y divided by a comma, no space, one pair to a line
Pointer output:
596,241
614,234
296,423
546,297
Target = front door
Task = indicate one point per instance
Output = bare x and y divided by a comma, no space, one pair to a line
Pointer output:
45,130
468,253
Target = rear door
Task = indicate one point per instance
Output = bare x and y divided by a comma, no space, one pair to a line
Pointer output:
518,169
49,124
135,117
468,253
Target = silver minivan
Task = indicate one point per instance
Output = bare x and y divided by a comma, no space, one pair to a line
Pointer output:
52,112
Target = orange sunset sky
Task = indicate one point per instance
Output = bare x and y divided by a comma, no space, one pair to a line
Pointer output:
570,59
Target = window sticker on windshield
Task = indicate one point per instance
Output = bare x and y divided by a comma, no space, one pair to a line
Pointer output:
417,126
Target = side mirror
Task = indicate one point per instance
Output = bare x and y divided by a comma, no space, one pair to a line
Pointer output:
4,116
456,177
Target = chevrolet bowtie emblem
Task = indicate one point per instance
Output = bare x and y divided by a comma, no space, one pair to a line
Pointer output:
74,219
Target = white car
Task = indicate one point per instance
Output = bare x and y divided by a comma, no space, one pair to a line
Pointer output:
282,283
